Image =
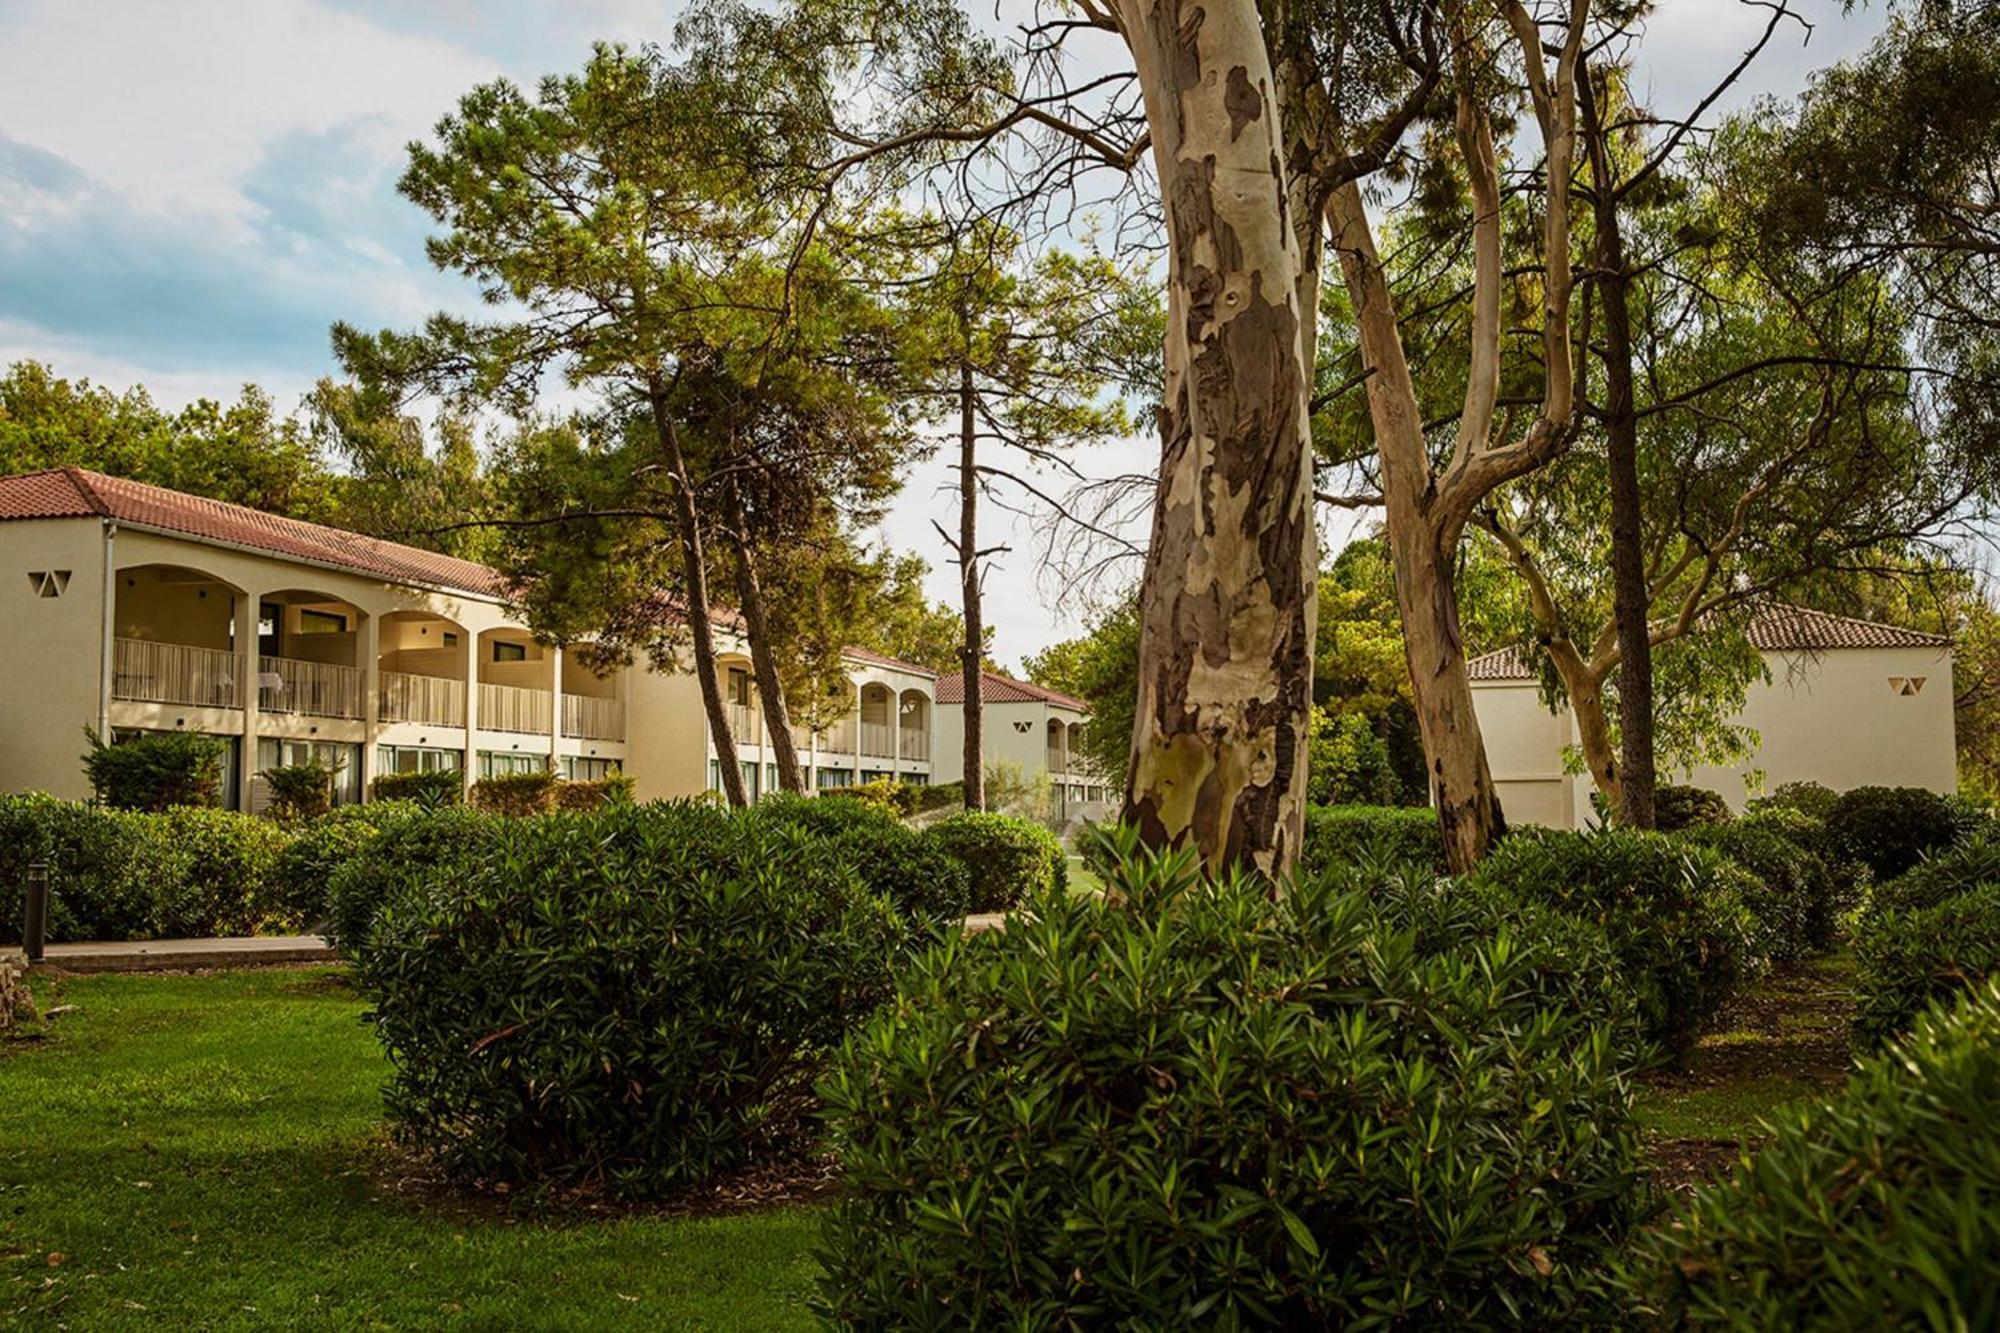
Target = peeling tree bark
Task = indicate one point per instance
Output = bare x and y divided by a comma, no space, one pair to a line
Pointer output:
1227,609
763,662
695,567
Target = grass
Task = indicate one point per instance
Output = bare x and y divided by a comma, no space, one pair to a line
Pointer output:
205,1151
1786,1041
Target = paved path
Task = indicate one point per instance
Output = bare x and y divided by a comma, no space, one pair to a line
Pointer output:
179,955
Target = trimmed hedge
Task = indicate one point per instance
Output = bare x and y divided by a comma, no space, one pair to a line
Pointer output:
414,848
1384,834
439,787
1673,912
1890,829
896,797
220,880
1941,877
940,796
1808,798
1007,860
1199,1104
614,790
1677,807
301,879
1907,961
516,793
1798,898
888,856
1878,1209
636,999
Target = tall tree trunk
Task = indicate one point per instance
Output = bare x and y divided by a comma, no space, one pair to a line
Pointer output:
971,651
1631,605
763,662
1226,609
694,564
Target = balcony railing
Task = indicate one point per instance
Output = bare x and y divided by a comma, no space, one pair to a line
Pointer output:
1058,760
915,744
314,689
746,724
838,738
174,673
512,708
592,719
437,701
878,739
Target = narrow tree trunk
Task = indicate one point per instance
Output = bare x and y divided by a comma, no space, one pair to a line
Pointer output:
694,563
970,653
763,662
1631,608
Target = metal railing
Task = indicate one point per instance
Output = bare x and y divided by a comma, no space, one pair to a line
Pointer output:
592,719
746,724
878,739
1058,760
512,708
315,689
438,701
175,673
915,744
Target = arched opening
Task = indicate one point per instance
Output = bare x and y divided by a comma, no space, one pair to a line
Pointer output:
1075,747
516,682
421,669
308,654
914,727
174,638
1058,748
878,721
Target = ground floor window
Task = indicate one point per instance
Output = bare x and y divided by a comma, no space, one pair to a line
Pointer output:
835,777
750,787
417,759
492,763
578,768
280,752
876,775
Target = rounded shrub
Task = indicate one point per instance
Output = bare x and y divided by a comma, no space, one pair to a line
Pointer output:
635,999
1906,961
1878,1209
212,872
1808,798
531,793
1191,1103
913,873
1344,834
415,846
1890,829
95,856
300,881
1937,878
1677,807
1007,860
435,788
1674,914
1796,897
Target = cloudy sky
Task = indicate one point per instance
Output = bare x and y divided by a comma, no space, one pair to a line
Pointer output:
191,191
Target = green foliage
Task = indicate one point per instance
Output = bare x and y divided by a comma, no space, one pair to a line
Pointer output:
1907,961
1351,834
301,878
1347,763
1007,860
614,790
1873,1210
299,791
1808,798
896,797
1890,829
97,860
637,999
1674,913
1676,807
531,793
940,796
221,873
1190,1103
1101,668
1796,897
885,854
415,847
446,787
1935,879
157,771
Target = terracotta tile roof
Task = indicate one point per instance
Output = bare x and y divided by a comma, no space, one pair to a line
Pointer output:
995,688
1775,627
883,659
72,492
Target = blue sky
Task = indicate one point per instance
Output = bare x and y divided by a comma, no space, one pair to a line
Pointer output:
192,191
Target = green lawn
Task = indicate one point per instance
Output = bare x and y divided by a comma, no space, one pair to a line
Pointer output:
205,1151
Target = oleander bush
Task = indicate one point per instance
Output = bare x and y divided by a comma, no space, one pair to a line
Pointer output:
532,793
98,860
1878,1209
1907,961
433,789
1677,807
595,793
1808,798
1202,1104
1936,878
1890,829
1007,859
1674,914
1837,887
156,771
1341,834
299,791
636,999
300,881
415,847
214,873
911,871
1797,897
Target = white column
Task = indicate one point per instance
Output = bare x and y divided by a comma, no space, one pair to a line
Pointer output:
556,711
368,643
247,663
471,711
